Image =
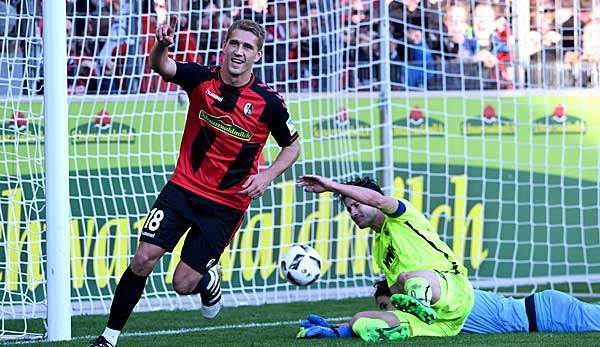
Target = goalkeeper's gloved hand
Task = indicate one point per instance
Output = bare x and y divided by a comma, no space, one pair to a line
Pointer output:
316,332
315,320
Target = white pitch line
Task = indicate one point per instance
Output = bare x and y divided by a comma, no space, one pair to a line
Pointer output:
195,330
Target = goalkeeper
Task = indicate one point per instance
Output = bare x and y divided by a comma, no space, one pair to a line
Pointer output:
434,296
550,311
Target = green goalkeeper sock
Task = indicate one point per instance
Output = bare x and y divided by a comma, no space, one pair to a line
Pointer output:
373,330
365,327
418,288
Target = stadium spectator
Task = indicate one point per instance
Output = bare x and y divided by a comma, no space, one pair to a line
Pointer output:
433,30
8,19
458,43
396,61
9,75
368,51
293,55
458,50
591,54
483,29
591,43
544,23
419,57
502,42
81,69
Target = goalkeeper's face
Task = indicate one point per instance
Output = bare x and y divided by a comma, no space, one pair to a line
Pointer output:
363,215
240,52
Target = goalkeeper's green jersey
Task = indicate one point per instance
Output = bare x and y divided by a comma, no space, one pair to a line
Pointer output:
407,242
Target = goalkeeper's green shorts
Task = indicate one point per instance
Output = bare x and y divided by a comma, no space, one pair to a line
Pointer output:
453,308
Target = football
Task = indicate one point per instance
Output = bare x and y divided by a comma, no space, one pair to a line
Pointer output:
301,265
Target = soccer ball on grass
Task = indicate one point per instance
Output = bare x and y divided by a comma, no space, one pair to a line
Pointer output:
301,265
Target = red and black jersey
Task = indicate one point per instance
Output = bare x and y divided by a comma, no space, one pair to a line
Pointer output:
225,131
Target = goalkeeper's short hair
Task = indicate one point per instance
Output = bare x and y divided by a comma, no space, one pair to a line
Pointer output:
365,182
381,288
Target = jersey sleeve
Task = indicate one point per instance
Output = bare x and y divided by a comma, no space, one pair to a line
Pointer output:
280,123
190,75
399,211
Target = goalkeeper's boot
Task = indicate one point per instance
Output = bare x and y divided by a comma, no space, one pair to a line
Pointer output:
316,332
212,300
101,342
399,333
416,307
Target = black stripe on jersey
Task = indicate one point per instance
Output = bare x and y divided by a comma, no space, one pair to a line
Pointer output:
201,145
275,114
454,264
230,97
268,96
239,169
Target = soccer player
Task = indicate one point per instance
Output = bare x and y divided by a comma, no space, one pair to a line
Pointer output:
434,295
549,311
229,119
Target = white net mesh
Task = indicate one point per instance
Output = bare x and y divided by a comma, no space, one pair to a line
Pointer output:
493,137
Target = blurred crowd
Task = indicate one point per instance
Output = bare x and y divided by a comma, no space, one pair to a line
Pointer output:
319,45
472,45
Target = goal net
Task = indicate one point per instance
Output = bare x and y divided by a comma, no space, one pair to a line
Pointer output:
479,113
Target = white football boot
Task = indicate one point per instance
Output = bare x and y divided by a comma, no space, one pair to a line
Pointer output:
212,300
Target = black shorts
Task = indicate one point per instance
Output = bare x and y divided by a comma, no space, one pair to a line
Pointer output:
211,226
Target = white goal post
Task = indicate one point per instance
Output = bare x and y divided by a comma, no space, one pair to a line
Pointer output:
482,113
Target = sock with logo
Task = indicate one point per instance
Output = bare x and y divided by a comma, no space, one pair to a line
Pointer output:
202,284
419,289
209,288
363,326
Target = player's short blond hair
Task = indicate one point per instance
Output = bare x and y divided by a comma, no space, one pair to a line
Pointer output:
250,26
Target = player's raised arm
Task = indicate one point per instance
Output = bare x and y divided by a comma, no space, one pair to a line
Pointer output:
319,184
159,57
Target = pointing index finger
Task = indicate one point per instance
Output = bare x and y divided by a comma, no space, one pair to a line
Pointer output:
173,21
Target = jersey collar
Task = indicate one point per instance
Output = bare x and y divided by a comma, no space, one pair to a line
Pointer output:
229,86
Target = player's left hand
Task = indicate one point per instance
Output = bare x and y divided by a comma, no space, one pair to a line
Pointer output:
255,185
316,332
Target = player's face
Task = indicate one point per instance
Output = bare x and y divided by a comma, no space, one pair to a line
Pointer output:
363,215
240,53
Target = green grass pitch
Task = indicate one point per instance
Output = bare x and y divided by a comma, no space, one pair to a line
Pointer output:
275,325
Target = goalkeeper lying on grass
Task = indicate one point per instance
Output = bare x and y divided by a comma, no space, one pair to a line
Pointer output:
550,311
434,294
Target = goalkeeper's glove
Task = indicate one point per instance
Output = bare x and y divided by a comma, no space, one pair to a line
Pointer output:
315,320
316,332
315,327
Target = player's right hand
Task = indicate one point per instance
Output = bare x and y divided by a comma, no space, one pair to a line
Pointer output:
315,320
314,183
165,32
